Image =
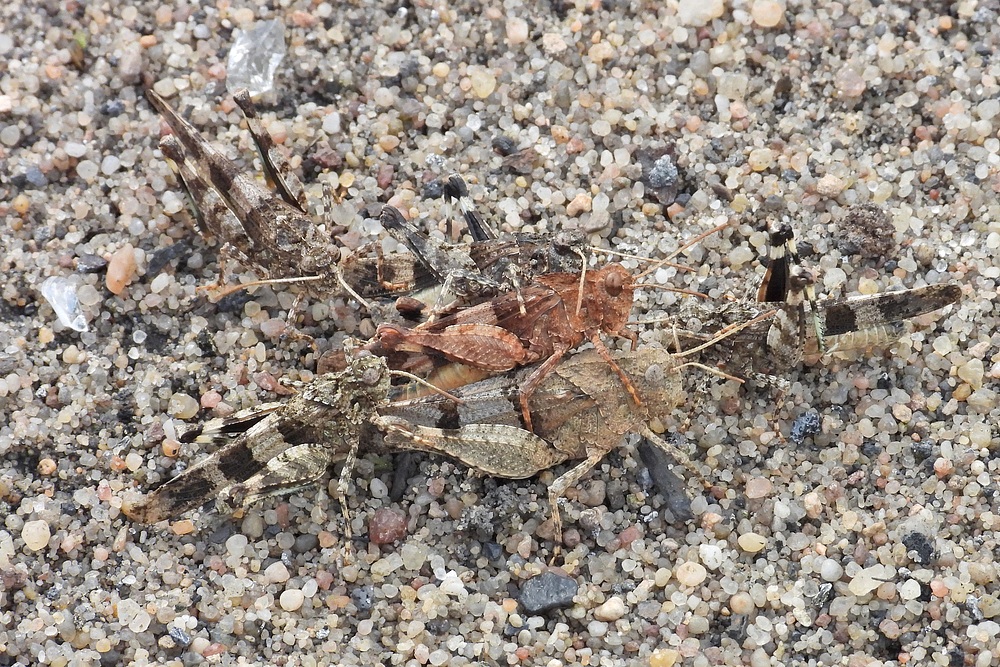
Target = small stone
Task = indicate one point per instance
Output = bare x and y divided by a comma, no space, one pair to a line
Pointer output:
75,149
121,269
696,13
600,52
611,610
751,542
863,583
711,556
276,573
943,467
110,164
760,159
182,406
254,57
766,13
830,186
690,573
553,43
831,570
386,526
517,31
61,294
36,534
133,461
581,204
549,590
292,599
87,170
909,589
10,135
182,527
601,127
758,487
943,345
848,82
741,603
483,82
972,372
664,657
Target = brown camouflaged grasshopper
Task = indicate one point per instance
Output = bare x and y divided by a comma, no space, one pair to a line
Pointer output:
580,412
542,322
272,232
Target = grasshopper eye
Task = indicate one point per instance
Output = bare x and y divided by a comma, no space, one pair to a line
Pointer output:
613,284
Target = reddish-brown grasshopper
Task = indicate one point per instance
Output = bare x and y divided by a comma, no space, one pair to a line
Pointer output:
543,322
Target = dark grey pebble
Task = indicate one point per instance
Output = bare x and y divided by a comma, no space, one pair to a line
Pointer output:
547,591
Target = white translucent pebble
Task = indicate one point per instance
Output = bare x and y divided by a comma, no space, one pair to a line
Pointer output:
331,123
255,56
110,164
61,295
711,556
75,149
831,570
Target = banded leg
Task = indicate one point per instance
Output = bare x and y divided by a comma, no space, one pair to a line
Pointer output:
279,174
456,188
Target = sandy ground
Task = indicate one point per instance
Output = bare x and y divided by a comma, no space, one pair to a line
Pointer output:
870,542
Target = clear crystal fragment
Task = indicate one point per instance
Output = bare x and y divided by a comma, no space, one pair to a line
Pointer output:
61,295
255,56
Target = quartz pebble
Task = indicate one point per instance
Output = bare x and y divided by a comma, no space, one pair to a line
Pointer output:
751,542
182,406
759,487
766,13
36,535
691,574
613,609
121,269
291,599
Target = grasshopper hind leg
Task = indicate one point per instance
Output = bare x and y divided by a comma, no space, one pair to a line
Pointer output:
298,467
276,167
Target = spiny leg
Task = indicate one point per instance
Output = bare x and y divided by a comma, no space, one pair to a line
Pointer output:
276,168
558,489
534,381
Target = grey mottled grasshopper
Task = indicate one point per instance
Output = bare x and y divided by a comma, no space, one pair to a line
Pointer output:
581,412
802,325
278,447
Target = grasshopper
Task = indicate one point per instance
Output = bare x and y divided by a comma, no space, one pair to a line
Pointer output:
278,447
555,314
580,412
802,325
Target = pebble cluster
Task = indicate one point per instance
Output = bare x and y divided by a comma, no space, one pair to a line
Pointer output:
869,541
